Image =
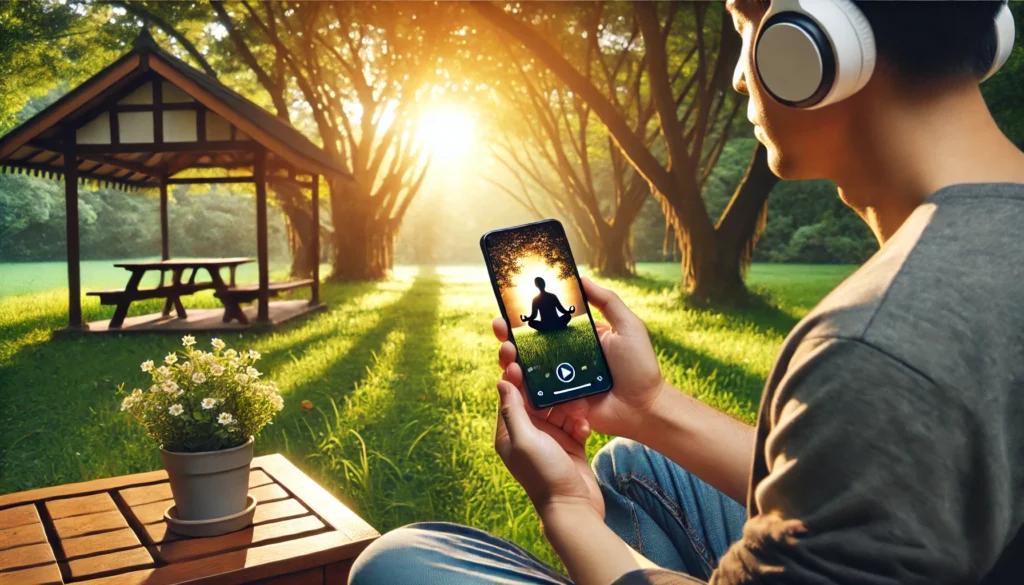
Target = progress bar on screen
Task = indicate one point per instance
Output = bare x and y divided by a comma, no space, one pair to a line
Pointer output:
573,388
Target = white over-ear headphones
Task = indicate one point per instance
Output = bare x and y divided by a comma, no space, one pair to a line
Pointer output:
811,53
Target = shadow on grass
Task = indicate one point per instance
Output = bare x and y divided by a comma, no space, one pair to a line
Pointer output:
732,378
368,449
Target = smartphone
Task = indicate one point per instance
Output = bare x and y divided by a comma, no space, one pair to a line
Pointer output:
542,301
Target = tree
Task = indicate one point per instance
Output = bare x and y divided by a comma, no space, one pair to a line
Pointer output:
566,155
506,249
357,71
695,112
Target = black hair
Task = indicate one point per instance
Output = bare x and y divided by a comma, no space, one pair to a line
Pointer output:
929,41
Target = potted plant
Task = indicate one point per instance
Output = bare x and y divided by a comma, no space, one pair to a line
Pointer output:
204,410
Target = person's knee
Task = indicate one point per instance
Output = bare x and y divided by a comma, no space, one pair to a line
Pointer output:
620,458
405,551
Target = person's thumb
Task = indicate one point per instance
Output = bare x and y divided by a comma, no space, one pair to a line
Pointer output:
612,307
513,413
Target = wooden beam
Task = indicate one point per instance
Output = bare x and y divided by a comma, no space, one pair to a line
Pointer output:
212,146
122,164
87,174
210,180
152,107
158,110
165,247
71,232
315,188
259,173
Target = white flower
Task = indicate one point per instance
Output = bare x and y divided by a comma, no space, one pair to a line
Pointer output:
231,354
171,359
131,399
216,369
277,401
154,388
188,341
163,371
253,372
225,419
217,344
147,366
253,354
170,387
175,409
241,378
186,367
198,378
209,403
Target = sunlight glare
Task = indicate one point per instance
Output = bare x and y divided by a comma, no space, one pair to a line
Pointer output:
447,132
530,267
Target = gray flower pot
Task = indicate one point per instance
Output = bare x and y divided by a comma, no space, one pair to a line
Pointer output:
211,484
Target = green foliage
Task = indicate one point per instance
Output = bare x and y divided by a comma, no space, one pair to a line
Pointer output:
401,374
204,401
1003,91
807,221
115,224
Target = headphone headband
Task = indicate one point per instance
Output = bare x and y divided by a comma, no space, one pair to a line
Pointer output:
812,53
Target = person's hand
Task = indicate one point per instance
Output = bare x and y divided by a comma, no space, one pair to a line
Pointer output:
634,367
548,460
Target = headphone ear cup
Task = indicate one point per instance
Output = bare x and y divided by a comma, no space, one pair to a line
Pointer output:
1005,33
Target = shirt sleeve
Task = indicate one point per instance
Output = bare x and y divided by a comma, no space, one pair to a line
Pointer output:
869,470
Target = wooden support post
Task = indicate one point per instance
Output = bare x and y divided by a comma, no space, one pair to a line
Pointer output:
259,174
315,298
71,229
165,248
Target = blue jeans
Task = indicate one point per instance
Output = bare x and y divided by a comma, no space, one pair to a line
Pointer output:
668,515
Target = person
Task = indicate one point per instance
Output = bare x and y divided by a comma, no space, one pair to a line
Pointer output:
889,446
544,306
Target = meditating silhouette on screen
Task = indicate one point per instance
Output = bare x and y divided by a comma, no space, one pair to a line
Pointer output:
548,306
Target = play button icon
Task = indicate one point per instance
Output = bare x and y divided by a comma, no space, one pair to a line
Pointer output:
565,372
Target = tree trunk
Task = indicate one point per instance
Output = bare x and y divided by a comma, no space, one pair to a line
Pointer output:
612,254
299,220
363,246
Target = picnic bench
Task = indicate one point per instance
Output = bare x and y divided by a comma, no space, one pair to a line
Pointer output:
229,294
111,531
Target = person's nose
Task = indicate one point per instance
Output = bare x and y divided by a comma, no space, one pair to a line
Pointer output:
739,75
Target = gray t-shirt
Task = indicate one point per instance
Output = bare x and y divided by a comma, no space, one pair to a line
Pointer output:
890,439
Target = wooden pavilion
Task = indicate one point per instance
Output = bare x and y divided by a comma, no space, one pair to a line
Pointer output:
139,124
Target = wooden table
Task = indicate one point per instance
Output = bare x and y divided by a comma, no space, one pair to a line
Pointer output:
174,291
111,532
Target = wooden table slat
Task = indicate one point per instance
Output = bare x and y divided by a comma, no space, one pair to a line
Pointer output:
45,575
279,510
88,524
22,536
68,507
136,558
18,516
26,556
301,533
179,550
268,493
146,494
98,543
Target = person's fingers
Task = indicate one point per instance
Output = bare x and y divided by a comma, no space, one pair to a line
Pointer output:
500,329
514,375
557,417
602,327
513,413
611,306
568,442
506,354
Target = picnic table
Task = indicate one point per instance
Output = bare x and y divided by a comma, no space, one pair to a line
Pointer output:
111,531
177,288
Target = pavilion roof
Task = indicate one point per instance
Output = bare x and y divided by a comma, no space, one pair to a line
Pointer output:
149,116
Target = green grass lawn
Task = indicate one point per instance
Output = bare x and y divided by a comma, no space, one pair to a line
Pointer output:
544,351
401,374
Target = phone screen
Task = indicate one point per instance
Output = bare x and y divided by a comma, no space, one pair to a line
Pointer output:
542,300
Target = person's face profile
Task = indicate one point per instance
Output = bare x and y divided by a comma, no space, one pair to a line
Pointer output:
798,140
